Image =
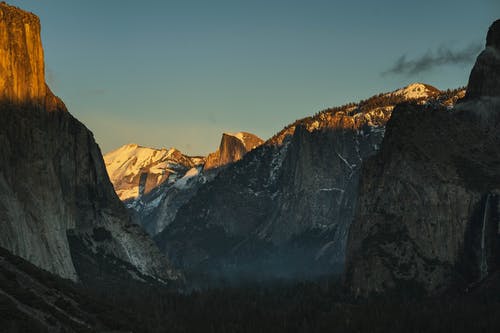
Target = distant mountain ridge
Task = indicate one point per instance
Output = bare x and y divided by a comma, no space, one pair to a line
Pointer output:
287,205
154,183
375,110
135,170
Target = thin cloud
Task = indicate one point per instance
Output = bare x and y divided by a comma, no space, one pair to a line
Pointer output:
432,59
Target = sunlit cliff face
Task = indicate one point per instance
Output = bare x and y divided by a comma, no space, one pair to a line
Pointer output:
22,76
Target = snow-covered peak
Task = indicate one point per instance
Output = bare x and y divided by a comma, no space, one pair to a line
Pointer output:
416,90
128,158
126,164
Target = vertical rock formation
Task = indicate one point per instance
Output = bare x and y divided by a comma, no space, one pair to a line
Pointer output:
22,73
483,80
427,215
232,148
53,182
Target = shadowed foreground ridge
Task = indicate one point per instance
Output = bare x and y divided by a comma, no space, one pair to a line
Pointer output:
428,211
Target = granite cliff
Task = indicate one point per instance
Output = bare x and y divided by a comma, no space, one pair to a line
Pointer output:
483,81
232,148
56,200
22,72
428,210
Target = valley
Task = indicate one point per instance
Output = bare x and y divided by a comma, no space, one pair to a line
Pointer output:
381,215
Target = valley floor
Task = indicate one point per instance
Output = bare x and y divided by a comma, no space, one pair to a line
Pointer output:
304,307
32,300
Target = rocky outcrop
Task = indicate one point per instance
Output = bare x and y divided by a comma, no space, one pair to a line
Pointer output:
22,73
232,148
483,80
52,177
285,208
428,212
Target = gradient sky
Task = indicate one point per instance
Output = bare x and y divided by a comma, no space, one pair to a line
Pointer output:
179,73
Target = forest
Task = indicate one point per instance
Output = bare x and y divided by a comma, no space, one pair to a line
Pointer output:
319,305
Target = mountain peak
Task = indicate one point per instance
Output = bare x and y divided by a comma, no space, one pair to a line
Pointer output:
233,147
130,163
493,37
417,90
249,140
239,135
484,78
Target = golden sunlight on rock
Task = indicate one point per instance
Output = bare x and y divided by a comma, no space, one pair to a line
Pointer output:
22,76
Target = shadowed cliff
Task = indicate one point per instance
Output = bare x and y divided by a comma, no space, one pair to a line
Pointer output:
428,210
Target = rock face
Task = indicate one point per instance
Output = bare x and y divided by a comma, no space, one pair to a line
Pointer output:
53,182
483,80
158,208
286,207
22,73
428,212
232,148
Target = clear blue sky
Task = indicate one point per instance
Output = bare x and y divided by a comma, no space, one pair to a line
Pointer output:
179,73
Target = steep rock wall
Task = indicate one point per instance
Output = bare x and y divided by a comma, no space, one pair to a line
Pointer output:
428,211
52,176
483,80
232,148
22,73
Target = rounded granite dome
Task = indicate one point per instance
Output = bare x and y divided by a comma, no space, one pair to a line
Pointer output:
493,37
484,79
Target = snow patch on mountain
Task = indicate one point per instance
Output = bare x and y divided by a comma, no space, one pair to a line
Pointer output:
416,91
134,169
184,181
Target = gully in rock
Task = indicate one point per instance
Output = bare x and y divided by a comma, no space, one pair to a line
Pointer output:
483,267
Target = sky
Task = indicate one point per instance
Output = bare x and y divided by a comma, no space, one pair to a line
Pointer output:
180,73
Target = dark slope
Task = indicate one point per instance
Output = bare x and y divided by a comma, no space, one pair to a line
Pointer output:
34,300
